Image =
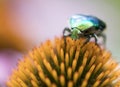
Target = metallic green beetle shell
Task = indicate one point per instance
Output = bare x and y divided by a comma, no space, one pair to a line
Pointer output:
85,26
83,22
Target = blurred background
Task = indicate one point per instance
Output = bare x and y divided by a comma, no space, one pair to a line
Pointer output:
26,23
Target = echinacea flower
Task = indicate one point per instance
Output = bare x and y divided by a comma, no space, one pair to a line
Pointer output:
66,63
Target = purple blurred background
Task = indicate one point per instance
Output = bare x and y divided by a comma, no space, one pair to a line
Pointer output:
37,20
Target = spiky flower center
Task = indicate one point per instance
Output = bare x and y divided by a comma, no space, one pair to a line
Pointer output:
66,63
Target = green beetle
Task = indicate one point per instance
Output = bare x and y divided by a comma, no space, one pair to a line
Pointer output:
85,26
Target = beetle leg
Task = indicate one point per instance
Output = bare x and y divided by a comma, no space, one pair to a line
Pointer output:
103,36
68,30
87,40
96,38
64,36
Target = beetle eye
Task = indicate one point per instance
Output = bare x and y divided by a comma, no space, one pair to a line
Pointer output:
72,28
